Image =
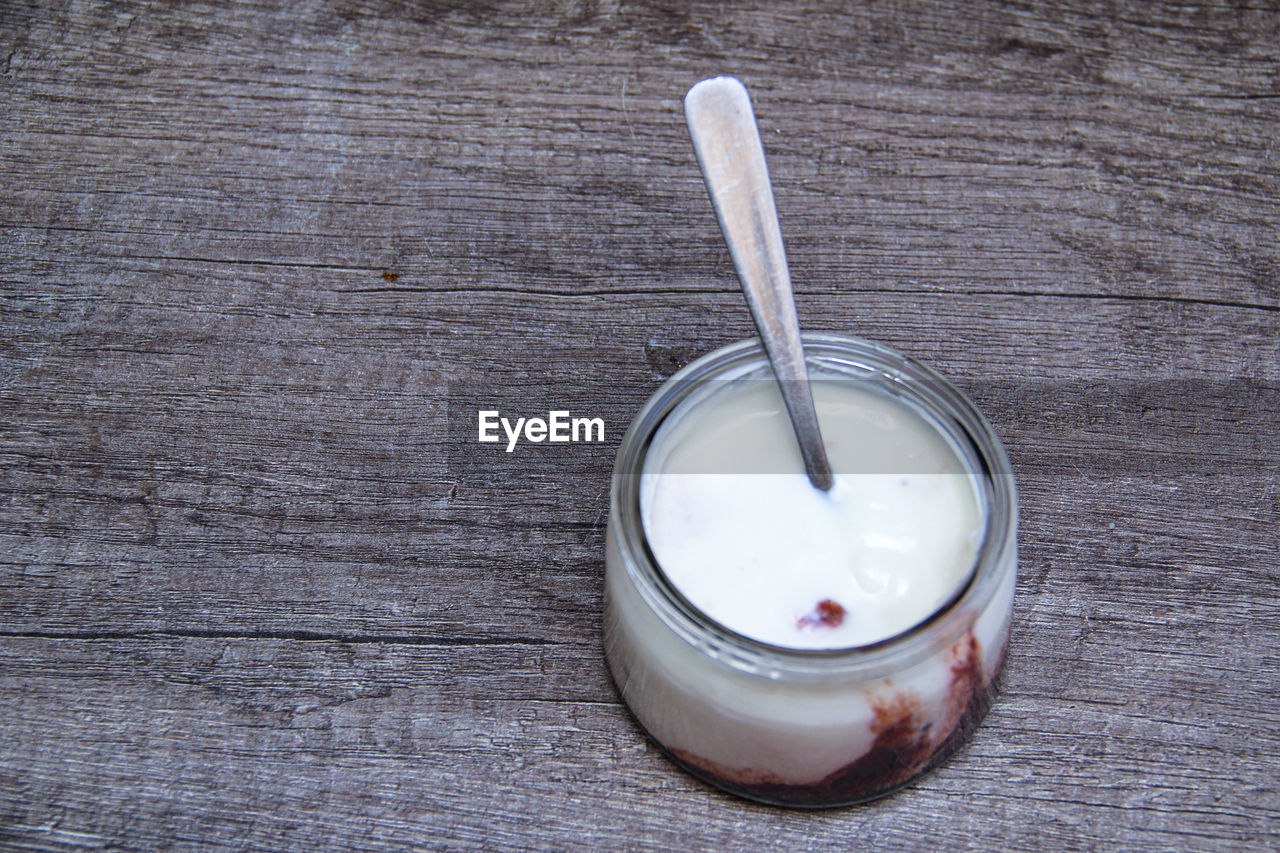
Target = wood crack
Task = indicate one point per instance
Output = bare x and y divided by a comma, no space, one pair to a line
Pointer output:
288,636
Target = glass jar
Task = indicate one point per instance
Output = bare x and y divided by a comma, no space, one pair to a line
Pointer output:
796,727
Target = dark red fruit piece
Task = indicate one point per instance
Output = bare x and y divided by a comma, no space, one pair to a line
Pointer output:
827,614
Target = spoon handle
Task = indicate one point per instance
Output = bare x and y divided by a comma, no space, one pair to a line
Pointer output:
731,157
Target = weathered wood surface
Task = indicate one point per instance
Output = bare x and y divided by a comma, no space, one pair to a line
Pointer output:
257,588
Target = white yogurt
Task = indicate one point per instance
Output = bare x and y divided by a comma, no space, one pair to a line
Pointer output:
739,530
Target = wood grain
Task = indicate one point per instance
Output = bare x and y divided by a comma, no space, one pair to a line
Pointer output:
259,589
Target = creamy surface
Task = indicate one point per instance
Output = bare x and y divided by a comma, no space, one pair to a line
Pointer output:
738,529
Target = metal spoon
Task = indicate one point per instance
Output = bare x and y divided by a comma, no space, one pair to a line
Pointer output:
727,142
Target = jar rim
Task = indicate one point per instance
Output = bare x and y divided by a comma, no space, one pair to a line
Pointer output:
884,365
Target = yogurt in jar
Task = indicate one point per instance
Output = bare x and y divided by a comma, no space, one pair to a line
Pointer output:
799,647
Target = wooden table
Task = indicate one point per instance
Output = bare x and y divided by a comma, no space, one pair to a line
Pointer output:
261,588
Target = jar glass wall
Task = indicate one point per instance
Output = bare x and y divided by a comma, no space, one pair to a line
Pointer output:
809,727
